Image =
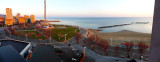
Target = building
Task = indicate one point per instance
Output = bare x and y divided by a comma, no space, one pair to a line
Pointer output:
21,20
44,53
14,50
9,21
28,20
26,16
20,46
9,13
9,54
18,15
32,18
1,19
9,17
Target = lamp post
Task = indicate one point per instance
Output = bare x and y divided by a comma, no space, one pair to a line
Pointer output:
26,37
141,58
65,36
50,39
84,54
129,40
84,51
111,41
75,30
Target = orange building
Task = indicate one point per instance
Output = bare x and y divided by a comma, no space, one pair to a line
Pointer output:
18,15
14,21
9,21
26,16
32,18
9,17
21,20
1,19
9,13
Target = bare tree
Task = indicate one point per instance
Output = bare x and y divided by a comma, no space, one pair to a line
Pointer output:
78,36
106,47
129,46
142,47
116,49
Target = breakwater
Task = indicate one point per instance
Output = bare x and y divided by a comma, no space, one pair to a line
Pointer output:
115,25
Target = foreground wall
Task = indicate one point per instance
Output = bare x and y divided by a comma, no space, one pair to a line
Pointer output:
155,41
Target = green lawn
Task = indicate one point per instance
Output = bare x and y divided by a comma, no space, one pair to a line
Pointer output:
70,31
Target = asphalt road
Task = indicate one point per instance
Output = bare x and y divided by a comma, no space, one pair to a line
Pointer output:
2,34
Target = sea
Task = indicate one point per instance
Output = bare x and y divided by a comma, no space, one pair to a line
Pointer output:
96,22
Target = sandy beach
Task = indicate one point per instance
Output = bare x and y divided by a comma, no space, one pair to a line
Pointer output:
122,36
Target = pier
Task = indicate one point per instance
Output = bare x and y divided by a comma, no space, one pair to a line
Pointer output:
115,25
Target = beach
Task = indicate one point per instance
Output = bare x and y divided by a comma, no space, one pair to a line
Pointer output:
123,36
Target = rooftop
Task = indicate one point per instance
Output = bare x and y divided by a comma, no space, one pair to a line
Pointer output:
43,53
18,45
9,54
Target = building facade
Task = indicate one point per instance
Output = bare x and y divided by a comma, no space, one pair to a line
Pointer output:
9,17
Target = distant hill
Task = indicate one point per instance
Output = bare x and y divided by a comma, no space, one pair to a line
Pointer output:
2,15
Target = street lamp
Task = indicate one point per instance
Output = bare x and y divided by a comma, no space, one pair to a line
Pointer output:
84,51
26,37
65,36
75,30
111,41
50,39
141,58
84,54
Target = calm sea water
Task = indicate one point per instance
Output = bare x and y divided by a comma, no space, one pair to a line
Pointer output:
95,22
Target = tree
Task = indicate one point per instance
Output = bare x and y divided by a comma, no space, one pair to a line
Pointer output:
106,46
84,42
129,46
38,36
22,34
29,34
12,31
142,47
91,42
49,33
78,36
116,49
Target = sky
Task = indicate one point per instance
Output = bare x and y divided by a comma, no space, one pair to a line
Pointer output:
81,8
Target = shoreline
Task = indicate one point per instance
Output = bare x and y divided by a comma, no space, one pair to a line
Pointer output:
123,36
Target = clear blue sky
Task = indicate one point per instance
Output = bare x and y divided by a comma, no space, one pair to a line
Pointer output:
81,8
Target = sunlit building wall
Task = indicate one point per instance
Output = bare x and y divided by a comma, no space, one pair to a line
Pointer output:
9,21
9,13
26,16
9,17
18,15
32,18
21,20
1,19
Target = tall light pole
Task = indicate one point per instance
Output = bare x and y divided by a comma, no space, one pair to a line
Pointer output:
83,55
84,51
65,36
45,10
50,39
26,37
75,30
111,41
